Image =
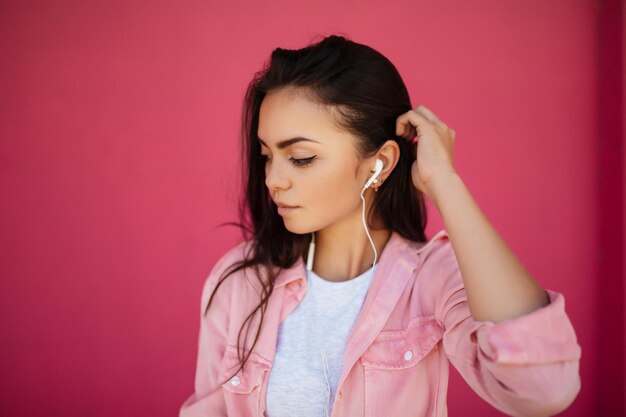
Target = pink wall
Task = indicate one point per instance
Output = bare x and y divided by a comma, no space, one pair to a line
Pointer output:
610,178
118,157
623,185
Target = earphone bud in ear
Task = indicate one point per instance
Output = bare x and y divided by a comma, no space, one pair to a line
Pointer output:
377,170
378,167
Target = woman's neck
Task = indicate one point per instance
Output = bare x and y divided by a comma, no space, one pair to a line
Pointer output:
341,254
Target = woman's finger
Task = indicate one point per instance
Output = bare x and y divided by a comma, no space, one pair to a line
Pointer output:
412,119
426,112
403,130
409,131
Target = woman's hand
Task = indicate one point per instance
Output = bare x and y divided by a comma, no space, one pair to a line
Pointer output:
435,142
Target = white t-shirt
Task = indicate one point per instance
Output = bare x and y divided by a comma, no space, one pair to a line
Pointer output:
297,386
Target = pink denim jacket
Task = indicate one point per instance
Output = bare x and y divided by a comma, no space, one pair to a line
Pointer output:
415,318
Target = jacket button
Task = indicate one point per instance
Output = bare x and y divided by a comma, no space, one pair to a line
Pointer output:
408,355
235,381
340,394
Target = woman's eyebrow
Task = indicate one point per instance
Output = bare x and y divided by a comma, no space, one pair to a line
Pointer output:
288,142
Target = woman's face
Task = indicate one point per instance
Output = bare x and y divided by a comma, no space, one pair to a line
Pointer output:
315,175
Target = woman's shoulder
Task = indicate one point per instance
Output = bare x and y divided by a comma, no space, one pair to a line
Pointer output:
236,253
439,243
429,256
438,271
227,261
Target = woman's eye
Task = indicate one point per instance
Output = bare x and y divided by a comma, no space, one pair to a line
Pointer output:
302,162
297,162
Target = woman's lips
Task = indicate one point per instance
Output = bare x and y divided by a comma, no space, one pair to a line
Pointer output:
286,210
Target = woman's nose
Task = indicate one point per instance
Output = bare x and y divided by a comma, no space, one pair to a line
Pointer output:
274,177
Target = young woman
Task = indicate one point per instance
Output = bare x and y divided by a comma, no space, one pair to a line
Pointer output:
353,311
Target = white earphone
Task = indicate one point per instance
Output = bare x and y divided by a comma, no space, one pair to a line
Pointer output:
377,170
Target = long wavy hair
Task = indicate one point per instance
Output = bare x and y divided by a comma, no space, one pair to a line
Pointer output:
366,93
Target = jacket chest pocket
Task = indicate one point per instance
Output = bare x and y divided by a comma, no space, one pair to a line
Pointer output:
401,349
394,367
242,391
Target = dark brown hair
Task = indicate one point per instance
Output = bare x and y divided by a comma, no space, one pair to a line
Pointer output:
365,91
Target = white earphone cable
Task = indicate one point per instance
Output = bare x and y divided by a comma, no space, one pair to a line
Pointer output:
309,266
366,231
325,362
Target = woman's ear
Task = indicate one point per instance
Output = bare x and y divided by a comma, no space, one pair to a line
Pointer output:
389,153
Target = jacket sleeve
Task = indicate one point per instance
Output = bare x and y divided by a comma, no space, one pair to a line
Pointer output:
525,366
208,398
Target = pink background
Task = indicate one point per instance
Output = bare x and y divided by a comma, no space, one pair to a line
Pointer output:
119,157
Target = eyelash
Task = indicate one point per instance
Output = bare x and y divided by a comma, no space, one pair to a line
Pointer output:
297,162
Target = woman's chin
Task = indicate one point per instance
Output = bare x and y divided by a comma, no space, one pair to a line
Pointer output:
296,228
